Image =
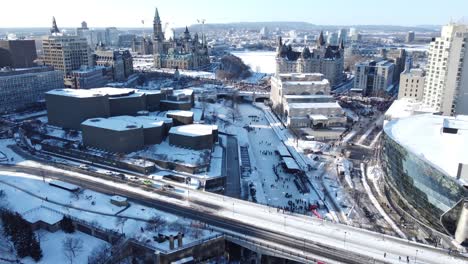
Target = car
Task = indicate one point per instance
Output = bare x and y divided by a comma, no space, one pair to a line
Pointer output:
168,187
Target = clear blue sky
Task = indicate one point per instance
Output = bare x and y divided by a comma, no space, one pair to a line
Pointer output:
129,13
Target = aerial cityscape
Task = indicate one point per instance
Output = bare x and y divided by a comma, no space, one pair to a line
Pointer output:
177,132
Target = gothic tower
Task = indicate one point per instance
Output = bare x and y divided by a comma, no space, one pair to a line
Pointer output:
54,29
157,27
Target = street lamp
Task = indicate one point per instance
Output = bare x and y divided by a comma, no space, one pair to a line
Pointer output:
344,240
416,256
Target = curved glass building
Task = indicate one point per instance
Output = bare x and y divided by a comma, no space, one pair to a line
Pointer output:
424,158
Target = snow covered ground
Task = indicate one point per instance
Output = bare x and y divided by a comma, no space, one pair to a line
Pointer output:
253,130
94,208
52,247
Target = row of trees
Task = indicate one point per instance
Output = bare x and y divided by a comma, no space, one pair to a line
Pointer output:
21,234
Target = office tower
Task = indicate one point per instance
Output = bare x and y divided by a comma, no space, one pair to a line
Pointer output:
446,87
65,53
17,53
374,77
410,37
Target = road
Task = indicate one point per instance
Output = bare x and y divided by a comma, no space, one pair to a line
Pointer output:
335,242
232,188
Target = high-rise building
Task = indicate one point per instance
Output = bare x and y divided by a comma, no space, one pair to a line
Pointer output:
121,61
446,87
412,84
111,36
23,87
343,35
410,37
183,53
374,77
398,57
333,38
17,53
65,53
325,59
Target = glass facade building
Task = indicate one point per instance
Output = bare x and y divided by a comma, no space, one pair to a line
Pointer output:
421,184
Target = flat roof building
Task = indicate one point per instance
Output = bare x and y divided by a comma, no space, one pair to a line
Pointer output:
304,100
181,117
17,53
425,162
68,108
195,136
153,129
21,88
112,135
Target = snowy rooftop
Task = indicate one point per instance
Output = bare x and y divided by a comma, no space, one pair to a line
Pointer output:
423,135
180,113
406,107
310,96
187,92
291,163
322,82
301,76
318,117
193,130
86,93
144,122
314,105
118,198
42,214
110,123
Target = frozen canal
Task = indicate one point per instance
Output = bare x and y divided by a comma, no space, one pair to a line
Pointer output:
259,61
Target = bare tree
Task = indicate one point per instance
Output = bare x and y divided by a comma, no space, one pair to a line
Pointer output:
155,223
72,247
99,255
120,221
232,114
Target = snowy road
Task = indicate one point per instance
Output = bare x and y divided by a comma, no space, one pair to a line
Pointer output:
245,217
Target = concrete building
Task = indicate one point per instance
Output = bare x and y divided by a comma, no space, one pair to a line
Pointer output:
325,59
68,108
153,129
65,53
412,84
303,100
374,78
127,104
425,162
446,87
113,135
17,53
120,61
182,99
195,136
410,36
180,117
399,58
91,77
22,87
182,52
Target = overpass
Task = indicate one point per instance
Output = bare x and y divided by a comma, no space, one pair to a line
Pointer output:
270,231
